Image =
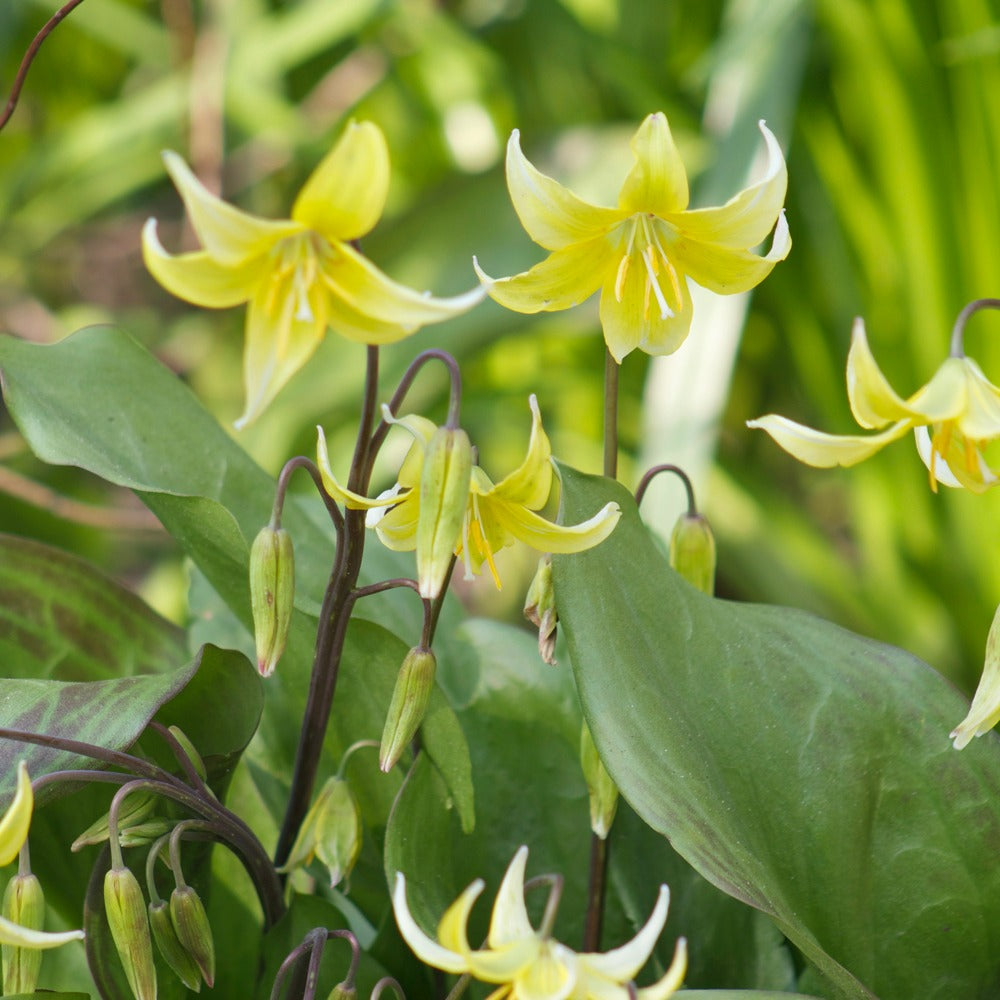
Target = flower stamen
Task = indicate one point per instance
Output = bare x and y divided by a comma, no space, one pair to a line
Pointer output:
482,544
939,448
620,277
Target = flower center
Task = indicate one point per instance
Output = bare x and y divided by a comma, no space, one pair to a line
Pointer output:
296,270
644,240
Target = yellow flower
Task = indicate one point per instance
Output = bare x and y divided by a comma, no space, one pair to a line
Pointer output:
640,253
495,515
529,964
13,833
959,405
300,275
984,713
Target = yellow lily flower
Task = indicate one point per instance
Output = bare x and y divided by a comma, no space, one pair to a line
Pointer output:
495,514
640,253
300,275
529,964
984,713
13,833
959,405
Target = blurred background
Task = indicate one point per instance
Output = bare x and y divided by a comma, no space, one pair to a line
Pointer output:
889,112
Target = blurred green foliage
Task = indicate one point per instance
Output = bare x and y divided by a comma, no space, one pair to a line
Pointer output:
887,110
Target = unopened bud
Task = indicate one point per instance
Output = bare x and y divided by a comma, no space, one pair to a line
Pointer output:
410,696
692,551
190,921
601,788
170,947
331,831
540,609
135,809
343,992
126,913
272,593
24,905
190,751
444,496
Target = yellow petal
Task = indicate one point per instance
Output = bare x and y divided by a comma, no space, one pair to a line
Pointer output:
545,536
345,195
422,430
452,931
961,464
671,982
981,418
638,320
622,964
425,948
197,278
551,976
22,937
727,270
17,819
362,329
564,279
340,493
873,401
747,218
984,712
551,214
826,450
530,483
397,529
510,916
658,182
228,235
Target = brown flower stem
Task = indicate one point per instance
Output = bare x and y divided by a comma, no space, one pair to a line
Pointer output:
958,330
651,474
610,415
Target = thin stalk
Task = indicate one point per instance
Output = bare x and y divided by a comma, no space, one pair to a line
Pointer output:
958,330
640,490
610,415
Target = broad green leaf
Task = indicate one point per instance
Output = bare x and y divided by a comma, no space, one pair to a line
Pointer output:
799,767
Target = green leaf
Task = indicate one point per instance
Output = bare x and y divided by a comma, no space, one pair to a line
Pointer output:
799,767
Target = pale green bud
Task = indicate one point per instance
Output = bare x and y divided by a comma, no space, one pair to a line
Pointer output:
134,812
540,609
692,551
170,947
190,750
126,913
272,593
343,992
187,914
444,497
24,905
601,788
331,831
414,684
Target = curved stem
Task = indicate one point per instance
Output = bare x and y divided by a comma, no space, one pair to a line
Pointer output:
640,491
958,330
301,462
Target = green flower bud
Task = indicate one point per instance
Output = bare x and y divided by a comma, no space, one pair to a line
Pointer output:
272,592
331,831
190,921
444,497
343,992
143,834
126,913
540,609
692,551
24,905
135,810
410,696
601,788
170,947
190,749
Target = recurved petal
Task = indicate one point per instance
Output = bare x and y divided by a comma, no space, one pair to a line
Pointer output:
340,493
452,931
727,270
874,402
747,218
984,713
564,279
509,921
551,214
545,536
197,277
229,235
22,937
945,397
17,819
362,329
657,182
425,948
981,419
531,482
397,529
826,450
345,195
671,982
622,964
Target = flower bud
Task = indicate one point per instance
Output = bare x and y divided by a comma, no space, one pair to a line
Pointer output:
126,913
601,788
190,749
444,496
540,609
190,921
170,947
343,992
410,696
331,831
134,811
24,905
692,551
272,593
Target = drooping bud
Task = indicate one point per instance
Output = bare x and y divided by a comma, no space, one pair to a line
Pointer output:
187,914
342,991
410,696
601,788
126,913
444,496
170,947
272,593
24,905
331,831
134,812
540,609
692,551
